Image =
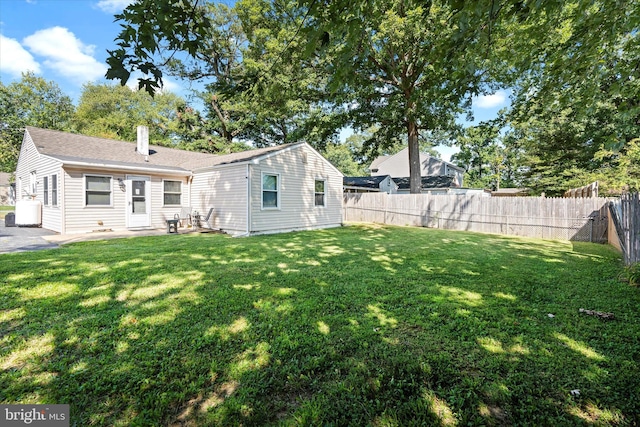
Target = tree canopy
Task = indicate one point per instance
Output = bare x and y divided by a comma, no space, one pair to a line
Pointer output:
282,70
31,101
113,111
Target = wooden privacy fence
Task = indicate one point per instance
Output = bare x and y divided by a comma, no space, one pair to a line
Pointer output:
547,218
625,214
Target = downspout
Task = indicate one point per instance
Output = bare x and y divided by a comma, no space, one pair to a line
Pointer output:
248,199
189,181
61,201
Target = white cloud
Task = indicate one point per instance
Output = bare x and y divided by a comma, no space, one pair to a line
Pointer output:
490,101
113,6
14,59
66,54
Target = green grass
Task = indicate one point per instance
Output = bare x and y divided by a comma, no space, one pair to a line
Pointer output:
362,325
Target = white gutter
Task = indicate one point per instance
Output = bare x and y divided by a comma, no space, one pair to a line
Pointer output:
121,167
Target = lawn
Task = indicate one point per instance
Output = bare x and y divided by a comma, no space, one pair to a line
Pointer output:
362,325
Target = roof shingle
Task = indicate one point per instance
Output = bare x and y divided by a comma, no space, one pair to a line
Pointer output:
69,147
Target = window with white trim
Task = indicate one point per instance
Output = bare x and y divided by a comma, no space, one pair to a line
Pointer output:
54,190
172,193
270,191
45,184
319,194
97,190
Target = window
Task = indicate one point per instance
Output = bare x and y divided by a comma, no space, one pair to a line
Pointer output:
54,190
97,190
172,193
45,183
319,192
270,191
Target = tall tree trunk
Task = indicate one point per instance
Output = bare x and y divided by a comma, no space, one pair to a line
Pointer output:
415,171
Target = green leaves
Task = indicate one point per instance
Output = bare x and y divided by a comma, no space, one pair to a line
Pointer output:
152,32
31,101
110,111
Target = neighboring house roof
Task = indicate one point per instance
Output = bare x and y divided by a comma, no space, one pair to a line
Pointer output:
363,181
377,161
92,151
424,157
439,181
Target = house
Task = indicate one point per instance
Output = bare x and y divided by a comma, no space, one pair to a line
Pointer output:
397,165
369,184
7,190
438,185
87,183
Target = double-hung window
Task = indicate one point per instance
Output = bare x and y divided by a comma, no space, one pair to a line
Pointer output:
97,190
172,193
319,194
270,190
54,190
45,184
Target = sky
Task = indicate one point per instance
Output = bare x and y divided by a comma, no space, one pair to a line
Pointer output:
66,41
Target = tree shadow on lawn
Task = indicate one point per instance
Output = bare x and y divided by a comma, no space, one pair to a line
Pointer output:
356,326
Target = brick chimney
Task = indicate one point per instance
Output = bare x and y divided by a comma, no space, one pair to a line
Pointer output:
143,140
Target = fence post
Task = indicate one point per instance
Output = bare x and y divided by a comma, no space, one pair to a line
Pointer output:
385,210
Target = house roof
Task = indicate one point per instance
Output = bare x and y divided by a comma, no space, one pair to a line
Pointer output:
438,181
89,150
405,153
363,181
242,156
377,161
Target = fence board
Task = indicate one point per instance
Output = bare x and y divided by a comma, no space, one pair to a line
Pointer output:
548,218
626,218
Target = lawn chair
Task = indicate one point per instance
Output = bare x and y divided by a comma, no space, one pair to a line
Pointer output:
184,216
199,220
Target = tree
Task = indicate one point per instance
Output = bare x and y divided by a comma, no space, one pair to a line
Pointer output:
341,157
111,111
575,104
31,101
258,88
409,68
412,65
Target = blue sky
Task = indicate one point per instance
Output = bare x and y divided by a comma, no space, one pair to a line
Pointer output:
67,40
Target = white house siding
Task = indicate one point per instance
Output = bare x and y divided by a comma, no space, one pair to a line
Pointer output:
225,190
159,212
80,218
28,162
388,186
298,169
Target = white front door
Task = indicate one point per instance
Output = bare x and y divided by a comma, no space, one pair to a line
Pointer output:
138,201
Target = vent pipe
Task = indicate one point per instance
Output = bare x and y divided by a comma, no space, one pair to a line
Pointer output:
143,140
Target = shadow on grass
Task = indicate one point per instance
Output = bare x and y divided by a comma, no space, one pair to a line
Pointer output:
354,326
